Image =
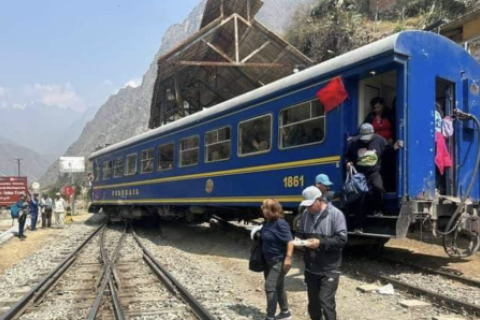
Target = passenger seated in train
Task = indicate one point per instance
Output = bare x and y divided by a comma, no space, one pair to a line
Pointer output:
383,122
294,136
257,138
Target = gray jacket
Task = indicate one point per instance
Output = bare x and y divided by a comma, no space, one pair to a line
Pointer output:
331,228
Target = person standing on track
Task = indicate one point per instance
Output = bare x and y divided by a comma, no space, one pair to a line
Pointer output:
325,229
277,249
60,207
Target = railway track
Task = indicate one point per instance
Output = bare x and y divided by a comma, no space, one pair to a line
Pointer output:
111,275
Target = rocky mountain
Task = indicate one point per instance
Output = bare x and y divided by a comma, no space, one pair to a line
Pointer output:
32,166
126,113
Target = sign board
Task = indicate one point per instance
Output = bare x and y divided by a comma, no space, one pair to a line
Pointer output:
72,164
11,188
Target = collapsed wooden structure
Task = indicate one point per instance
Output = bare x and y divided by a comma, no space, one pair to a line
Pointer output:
231,54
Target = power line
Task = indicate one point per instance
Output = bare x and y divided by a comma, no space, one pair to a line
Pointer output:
19,164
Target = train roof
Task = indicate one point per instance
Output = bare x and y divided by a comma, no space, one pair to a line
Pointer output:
389,44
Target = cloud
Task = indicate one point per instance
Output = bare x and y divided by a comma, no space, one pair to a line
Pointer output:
3,91
108,83
54,95
134,83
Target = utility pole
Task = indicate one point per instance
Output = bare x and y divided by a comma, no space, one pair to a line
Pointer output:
19,163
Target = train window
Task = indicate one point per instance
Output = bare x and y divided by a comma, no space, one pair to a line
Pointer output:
302,124
189,151
147,160
218,145
131,165
118,168
255,136
165,157
107,170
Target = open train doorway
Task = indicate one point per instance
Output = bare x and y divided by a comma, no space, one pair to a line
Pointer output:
377,105
444,107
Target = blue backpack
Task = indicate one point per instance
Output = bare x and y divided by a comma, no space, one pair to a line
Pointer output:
14,211
355,186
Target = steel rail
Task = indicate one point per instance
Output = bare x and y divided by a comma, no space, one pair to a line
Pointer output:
436,298
172,284
43,286
449,275
107,280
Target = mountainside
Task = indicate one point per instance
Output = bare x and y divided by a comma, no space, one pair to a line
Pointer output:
127,113
33,164
38,127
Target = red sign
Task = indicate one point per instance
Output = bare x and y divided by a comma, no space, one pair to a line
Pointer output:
68,190
11,188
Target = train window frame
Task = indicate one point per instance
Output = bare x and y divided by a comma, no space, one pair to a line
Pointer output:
125,167
159,168
143,161
280,127
180,151
239,136
205,145
115,166
104,177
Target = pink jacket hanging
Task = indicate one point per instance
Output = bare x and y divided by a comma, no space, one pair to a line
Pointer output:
442,158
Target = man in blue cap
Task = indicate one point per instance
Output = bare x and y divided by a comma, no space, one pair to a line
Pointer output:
322,182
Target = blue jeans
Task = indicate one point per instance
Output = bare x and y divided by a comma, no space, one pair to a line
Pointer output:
34,218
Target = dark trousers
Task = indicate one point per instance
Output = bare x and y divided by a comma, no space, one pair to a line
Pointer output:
21,226
33,221
321,295
275,288
370,202
47,218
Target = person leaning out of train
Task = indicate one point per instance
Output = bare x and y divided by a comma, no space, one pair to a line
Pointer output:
277,249
323,230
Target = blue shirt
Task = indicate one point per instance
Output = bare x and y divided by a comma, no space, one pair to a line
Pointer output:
34,206
275,236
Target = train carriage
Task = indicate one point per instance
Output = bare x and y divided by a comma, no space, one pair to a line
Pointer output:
273,141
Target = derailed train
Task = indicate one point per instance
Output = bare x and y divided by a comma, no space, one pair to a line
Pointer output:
226,159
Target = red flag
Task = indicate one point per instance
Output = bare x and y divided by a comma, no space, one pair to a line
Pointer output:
333,94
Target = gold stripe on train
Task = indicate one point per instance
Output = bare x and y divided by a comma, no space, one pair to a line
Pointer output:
269,167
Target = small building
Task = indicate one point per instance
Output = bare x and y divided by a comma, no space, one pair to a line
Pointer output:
231,54
466,31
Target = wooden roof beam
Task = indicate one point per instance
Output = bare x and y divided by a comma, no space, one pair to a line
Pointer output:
230,64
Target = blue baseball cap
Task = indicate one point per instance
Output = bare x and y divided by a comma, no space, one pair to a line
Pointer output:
323,179
366,132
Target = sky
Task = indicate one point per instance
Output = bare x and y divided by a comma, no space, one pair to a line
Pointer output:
75,53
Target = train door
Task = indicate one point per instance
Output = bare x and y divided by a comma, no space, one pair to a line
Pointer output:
375,90
444,105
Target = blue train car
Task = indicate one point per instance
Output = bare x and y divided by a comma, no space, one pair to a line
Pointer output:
228,158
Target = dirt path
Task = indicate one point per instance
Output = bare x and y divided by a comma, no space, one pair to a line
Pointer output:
15,250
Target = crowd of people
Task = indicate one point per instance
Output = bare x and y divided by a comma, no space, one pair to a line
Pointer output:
42,207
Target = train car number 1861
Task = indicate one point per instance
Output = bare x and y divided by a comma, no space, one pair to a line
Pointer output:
293,181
